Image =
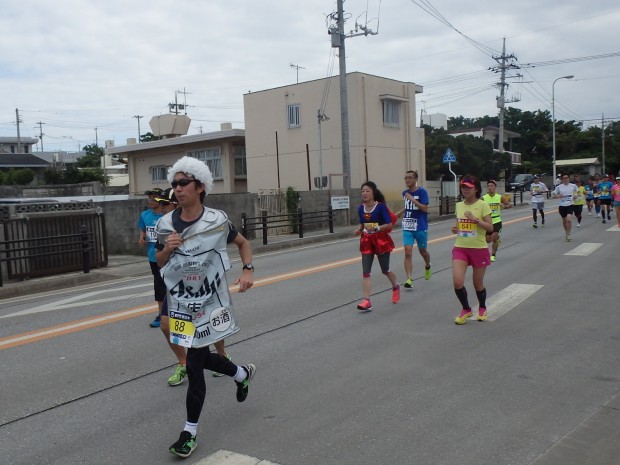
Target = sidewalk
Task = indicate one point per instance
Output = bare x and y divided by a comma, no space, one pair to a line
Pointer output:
122,266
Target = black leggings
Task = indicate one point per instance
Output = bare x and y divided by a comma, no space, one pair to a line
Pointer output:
199,360
368,258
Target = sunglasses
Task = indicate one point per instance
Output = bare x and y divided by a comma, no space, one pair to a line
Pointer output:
182,182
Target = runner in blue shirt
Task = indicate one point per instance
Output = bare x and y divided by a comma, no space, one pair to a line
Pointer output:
415,225
605,197
146,225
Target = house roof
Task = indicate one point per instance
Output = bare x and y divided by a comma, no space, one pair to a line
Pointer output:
578,161
22,140
60,156
21,160
174,141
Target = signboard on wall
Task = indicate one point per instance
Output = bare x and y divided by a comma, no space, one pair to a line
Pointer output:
340,202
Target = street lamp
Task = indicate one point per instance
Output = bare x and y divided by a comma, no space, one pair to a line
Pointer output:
553,117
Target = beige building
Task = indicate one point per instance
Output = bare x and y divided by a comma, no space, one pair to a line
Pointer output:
282,134
223,151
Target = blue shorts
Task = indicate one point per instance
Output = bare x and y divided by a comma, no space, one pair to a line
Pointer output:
411,237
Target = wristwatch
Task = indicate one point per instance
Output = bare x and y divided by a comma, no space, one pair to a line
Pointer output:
248,266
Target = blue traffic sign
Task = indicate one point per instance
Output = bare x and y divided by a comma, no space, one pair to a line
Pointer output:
449,157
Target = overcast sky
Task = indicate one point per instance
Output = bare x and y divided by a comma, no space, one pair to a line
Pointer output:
77,65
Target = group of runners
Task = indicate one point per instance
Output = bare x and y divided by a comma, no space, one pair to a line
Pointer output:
478,224
187,254
599,194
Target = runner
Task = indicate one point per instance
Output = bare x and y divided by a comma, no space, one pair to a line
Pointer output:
580,200
589,195
596,193
496,202
473,220
615,193
415,225
146,224
374,228
167,203
605,197
192,255
537,191
566,192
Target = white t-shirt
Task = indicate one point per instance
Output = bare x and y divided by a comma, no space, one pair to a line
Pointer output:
566,191
537,190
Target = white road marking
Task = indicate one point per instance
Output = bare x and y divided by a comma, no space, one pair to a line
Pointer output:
584,249
226,457
508,298
77,300
614,229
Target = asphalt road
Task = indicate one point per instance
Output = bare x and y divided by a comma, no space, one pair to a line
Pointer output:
85,377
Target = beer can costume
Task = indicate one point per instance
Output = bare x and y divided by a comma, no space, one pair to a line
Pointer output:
199,303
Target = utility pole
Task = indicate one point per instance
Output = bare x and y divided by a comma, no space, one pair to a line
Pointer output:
297,67
138,118
177,105
19,139
41,133
505,63
603,140
338,37
96,138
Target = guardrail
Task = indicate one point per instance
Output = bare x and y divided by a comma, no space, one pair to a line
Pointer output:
297,221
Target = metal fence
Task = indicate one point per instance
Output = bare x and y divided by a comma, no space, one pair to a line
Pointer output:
297,222
42,242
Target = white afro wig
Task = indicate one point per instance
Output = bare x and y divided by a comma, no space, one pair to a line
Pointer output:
192,167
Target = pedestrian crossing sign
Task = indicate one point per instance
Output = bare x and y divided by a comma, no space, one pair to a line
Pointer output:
449,156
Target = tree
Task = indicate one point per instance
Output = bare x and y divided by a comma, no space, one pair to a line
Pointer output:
148,137
92,157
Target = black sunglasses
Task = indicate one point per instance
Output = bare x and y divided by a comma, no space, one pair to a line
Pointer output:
182,182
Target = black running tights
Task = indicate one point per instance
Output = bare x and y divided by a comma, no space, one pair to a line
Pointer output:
199,360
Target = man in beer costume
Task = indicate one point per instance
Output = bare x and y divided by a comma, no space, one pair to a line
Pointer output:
193,259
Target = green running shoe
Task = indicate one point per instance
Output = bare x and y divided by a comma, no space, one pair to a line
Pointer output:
428,273
219,375
184,446
179,375
408,283
244,386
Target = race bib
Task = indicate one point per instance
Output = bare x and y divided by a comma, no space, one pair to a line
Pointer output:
370,227
495,208
410,224
467,227
182,329
151,234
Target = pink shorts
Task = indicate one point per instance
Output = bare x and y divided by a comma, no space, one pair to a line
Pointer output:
477,258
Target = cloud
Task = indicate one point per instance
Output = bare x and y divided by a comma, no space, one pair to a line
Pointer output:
78,65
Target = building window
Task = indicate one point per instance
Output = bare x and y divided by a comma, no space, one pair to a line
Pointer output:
293,111
391,113
212,158
159,173
241,168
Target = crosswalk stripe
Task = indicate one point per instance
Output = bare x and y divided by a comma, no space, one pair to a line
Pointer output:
585,249
226,457
508,298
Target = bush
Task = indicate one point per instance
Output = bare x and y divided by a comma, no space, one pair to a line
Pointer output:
20,177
